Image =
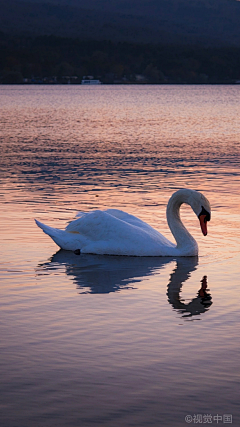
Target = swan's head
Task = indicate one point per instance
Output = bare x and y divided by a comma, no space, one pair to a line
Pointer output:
202,209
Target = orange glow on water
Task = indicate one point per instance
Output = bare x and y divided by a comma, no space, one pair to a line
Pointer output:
96,335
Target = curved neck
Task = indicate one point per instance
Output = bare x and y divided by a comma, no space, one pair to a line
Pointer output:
180,233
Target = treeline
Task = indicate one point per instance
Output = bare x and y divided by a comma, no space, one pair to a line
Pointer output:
51,59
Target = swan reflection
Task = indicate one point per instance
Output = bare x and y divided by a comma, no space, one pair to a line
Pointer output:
99,274
181,274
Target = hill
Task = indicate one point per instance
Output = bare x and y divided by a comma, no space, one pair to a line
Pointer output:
205,22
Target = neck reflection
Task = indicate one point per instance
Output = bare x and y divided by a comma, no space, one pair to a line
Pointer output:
182,272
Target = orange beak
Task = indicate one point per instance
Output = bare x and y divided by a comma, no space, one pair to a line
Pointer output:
203,224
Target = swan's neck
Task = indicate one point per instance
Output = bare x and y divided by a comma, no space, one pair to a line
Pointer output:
183,238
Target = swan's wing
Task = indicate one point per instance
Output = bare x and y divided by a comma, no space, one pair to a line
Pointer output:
119,233
125,217
131,219
98,225
109,220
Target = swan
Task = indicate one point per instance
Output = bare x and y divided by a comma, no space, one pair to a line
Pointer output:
114,232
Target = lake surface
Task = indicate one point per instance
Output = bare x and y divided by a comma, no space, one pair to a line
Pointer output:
118,341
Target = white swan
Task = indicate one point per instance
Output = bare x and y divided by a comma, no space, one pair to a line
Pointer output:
114,232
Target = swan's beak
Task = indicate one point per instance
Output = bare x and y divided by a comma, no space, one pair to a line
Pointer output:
203,224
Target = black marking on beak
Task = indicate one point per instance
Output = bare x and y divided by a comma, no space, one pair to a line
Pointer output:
204,212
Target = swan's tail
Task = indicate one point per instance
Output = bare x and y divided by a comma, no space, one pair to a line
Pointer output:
52,232
62,238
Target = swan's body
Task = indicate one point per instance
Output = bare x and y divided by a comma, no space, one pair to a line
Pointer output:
114,232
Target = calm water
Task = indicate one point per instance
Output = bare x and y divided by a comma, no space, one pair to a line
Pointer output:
117,341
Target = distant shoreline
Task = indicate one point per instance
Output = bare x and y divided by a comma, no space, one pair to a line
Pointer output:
54,60
124,84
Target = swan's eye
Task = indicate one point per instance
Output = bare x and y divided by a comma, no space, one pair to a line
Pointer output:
206,213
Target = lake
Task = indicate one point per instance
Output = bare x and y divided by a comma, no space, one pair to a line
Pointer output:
114,341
